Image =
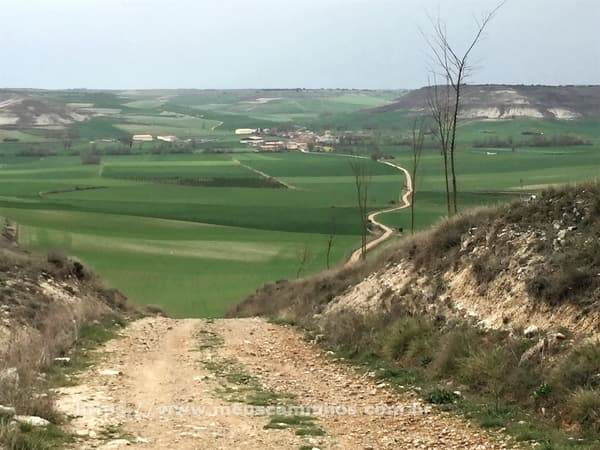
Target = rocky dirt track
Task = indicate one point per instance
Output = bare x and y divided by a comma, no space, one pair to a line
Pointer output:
202,384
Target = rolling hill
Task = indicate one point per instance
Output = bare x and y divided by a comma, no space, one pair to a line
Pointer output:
493,102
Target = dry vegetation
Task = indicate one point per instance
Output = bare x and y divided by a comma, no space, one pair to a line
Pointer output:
50,307
501,304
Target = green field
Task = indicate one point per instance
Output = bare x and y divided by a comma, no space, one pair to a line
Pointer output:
194,227
194,250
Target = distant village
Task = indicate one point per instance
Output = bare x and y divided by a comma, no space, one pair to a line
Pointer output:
150,138
261,140
301,140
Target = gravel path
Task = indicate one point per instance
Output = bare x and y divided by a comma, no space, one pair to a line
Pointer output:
187,384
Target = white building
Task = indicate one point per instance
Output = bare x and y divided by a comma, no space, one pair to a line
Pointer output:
143,138
168,138
245,131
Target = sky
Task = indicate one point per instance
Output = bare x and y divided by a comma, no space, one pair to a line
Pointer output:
226,44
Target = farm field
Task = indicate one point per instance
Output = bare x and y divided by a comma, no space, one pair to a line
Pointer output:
197,228
194,250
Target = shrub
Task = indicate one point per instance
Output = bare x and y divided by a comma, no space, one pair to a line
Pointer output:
439,396
57,258
561,285
487,371
581,368
486,268
114,298
456,345
407,337
542,392
352,331
584,407
155,310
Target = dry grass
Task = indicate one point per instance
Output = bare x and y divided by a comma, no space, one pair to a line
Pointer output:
584,407
299,300
563,383
45,325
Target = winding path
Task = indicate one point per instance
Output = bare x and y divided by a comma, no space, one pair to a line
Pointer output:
387,231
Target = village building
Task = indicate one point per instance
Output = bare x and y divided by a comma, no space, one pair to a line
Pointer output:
327,138
272,146
242,131
142,138
252,141
168,138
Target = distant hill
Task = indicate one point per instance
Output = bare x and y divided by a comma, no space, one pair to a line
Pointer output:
508,102
30,109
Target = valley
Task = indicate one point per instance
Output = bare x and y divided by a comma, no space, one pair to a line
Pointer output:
195,224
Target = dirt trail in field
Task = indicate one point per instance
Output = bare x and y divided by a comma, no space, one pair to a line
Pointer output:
266,175
189,384
388,232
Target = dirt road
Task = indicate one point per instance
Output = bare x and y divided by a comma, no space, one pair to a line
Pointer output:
198,384
387,231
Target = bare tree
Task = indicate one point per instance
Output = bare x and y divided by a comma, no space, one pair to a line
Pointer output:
418,138
304,255
444,101
332,235
362,180
439,107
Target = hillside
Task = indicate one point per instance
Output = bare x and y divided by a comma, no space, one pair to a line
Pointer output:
495,102
20,110
509,293
75,374
49,308
529,262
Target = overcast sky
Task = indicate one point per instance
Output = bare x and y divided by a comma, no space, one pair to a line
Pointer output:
286,43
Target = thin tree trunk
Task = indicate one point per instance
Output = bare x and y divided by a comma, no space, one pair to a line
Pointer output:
412,212
453,145
456,69
447,184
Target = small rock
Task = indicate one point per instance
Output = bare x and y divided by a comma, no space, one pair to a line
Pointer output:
116,443
111,373
557,337
10,376
7,411
33,421
65,360
531,330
